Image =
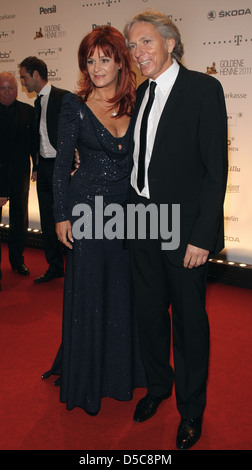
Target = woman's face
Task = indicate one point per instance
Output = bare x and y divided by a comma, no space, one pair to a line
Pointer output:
103,70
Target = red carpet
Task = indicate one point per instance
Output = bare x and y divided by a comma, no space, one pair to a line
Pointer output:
31,416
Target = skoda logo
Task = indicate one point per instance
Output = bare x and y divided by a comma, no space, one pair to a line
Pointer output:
211,15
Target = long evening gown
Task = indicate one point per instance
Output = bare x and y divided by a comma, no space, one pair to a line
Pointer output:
99,354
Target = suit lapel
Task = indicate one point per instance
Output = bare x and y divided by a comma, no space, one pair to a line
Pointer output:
170,107
52,116
168,111
140,94
49,111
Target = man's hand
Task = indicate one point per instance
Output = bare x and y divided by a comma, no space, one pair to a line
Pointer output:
3,201
76,159
76,162
64,233
195,257
34,176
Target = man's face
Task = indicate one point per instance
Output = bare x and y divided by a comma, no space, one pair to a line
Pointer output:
149,51
28,81
8,90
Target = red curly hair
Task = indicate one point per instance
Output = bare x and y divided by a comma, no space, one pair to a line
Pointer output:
111,42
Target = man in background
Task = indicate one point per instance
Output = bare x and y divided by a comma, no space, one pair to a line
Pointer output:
34,76
17,144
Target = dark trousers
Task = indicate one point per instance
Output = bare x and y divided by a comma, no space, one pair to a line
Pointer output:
53,251
158,284
18,219
18,224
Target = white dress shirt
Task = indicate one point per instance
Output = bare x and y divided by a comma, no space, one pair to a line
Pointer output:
46,149
165,83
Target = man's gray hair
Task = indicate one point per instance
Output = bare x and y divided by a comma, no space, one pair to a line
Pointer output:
164,26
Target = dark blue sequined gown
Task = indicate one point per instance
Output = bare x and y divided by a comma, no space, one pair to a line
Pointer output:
99,354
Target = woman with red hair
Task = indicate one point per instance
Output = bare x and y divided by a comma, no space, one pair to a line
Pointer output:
109,42
99,354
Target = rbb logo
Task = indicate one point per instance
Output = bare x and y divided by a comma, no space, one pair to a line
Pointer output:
52,73
4,55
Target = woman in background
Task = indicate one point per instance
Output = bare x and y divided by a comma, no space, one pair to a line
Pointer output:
99,354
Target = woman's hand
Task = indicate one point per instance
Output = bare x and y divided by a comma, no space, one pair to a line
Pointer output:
64,233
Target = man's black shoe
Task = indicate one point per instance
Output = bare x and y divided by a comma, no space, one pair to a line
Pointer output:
147,407
21,269
189,432
48,276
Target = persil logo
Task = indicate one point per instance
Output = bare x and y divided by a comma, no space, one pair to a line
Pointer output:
223,14
46,11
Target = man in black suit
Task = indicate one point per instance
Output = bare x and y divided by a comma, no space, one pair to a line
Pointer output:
34,76
17,144
185,164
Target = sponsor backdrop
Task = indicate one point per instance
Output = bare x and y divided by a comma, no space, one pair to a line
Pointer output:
217,36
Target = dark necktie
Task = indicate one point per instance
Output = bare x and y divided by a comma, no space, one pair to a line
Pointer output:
38,107
143,136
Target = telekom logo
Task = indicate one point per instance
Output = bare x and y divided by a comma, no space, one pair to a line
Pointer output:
107,2
238,39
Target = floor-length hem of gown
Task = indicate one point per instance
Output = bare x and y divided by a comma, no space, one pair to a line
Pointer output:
55,371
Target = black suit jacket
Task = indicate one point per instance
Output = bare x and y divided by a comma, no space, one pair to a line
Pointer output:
189,161
53,113
15,154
